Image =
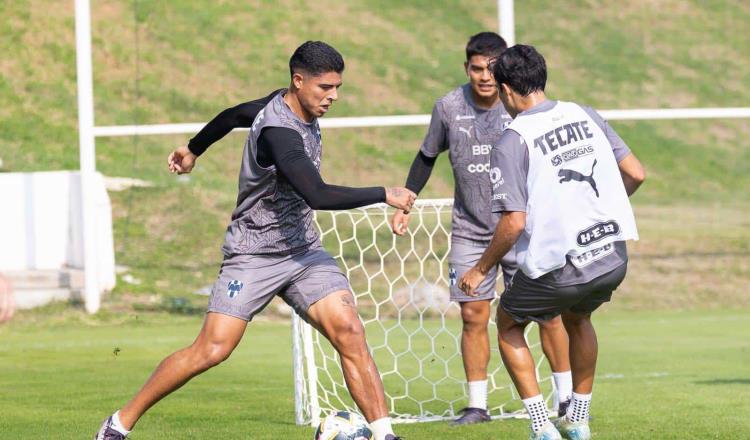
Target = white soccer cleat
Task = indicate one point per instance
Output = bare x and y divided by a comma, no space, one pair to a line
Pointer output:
573,430
549,432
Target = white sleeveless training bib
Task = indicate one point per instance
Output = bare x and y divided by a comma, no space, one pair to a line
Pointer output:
577,201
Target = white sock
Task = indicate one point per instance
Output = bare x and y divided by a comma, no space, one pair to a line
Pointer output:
478,394
117,425
563,385
381,428
537,409
578,411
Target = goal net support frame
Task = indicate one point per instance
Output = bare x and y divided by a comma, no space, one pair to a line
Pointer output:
401,286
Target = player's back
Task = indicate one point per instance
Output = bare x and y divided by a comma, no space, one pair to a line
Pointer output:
576,198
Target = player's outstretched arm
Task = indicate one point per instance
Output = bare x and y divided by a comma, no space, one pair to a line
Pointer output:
284,149
435,142
633,173
419,173
182,160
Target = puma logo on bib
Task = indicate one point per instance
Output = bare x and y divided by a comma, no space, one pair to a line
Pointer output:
568,175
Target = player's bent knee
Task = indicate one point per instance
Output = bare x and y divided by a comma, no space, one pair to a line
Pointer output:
475,326
475,314
353,331
350,335
211,355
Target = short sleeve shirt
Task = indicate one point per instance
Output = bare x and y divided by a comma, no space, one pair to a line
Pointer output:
467,132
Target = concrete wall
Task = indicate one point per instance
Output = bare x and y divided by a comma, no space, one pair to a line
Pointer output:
41,228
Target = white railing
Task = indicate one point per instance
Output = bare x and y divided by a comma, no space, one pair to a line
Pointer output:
412,120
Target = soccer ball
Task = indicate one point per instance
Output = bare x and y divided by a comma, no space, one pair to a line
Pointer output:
343,425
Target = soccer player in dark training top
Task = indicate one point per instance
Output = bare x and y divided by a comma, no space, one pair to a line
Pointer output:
272,247
465,123
563,195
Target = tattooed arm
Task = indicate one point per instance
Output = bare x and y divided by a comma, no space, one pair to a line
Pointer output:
400,198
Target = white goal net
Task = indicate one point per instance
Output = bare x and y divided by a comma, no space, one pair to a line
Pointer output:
413,330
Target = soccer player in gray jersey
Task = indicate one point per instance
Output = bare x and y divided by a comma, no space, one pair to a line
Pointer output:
564,177
272,247
466,122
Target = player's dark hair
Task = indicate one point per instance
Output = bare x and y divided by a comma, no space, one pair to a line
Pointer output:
488,44
522,68
316,58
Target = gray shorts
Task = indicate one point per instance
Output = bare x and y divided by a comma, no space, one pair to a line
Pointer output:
247,283
463,256
536,300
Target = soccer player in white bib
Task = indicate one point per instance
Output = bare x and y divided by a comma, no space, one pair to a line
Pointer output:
561,179
466,122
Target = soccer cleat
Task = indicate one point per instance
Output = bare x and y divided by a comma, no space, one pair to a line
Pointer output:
548,433
107,432
573,430
392,437
562,408
471,416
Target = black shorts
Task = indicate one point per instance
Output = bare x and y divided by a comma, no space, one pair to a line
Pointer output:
535,300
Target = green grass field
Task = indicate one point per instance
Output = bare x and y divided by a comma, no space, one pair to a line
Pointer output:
674,344
661,375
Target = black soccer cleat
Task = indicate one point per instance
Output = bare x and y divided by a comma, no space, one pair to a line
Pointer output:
392,437
471,416
107,432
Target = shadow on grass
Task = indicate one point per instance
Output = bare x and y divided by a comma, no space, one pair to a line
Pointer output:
734,381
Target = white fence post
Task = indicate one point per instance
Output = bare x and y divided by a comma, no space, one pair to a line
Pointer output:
87,150
507,21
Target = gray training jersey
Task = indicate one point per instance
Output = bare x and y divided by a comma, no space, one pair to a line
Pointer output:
468,133
271,217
